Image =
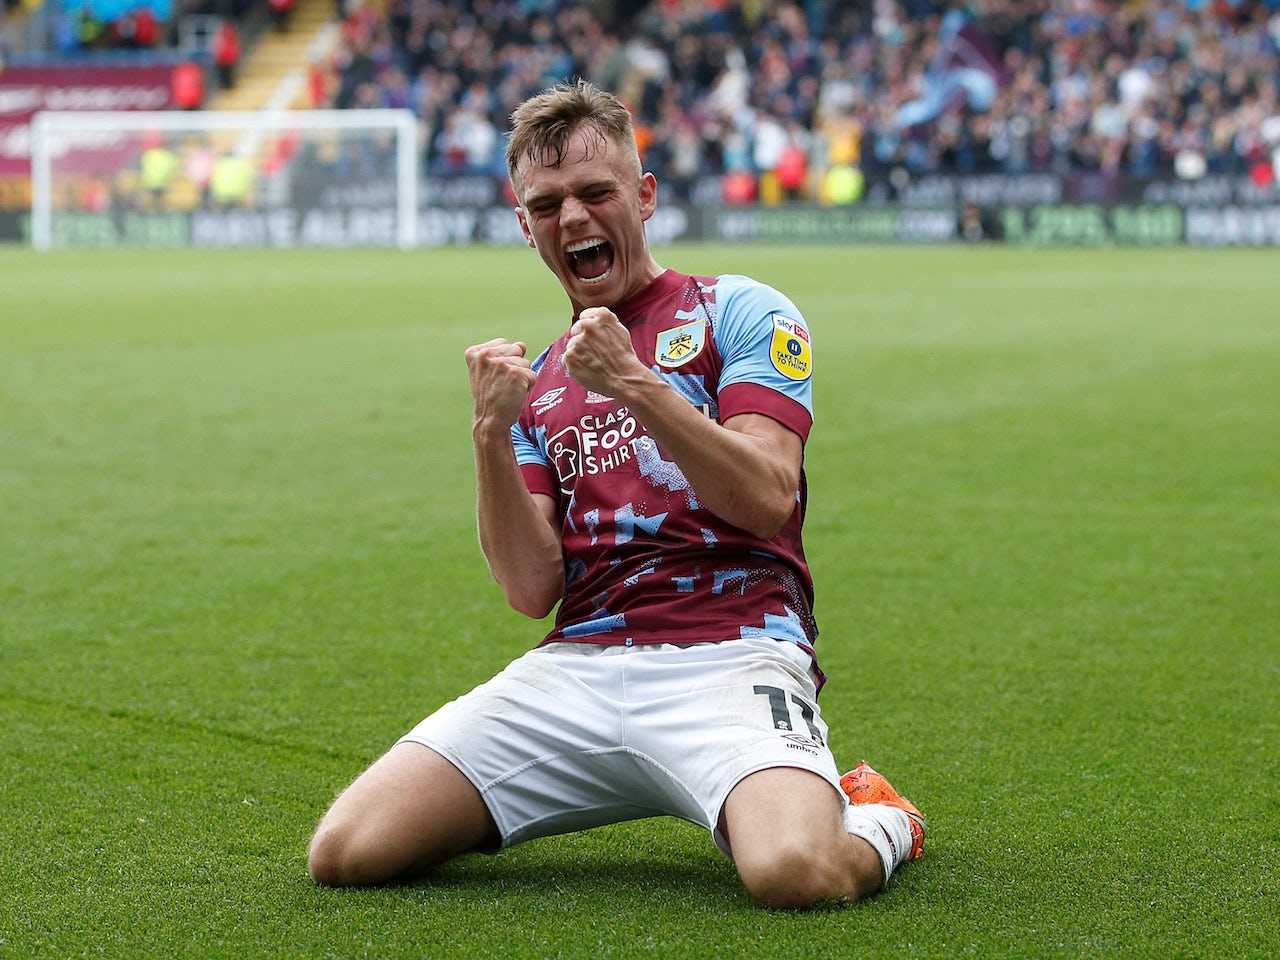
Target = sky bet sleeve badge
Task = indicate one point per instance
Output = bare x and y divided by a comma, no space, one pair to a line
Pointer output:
790,349
681,344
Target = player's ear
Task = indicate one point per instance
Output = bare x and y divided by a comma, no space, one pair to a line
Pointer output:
524,228
648,195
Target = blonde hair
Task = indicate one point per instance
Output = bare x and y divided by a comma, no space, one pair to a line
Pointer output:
542,126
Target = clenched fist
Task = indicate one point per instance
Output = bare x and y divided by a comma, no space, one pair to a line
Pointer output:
599,354
501,378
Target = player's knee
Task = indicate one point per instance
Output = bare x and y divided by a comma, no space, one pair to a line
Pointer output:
330,859
790,877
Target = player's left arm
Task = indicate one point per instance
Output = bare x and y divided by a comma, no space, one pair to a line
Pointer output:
746,470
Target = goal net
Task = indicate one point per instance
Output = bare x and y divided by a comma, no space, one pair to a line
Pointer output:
332,178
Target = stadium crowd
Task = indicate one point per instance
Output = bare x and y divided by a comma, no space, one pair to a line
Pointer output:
807,96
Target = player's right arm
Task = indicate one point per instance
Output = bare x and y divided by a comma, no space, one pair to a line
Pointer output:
519,530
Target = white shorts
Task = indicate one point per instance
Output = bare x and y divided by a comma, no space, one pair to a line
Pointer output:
572,736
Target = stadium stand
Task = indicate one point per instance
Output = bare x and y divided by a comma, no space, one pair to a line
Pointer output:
276,72
727,88
804,99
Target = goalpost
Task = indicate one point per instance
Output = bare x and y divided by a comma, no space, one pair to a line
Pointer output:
335,178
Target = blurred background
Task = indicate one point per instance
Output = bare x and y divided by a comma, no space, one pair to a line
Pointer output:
1028,121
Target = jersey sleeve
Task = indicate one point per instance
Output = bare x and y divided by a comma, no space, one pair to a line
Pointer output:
539,475
538,471
766,354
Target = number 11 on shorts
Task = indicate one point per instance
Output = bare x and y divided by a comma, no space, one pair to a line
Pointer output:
782,711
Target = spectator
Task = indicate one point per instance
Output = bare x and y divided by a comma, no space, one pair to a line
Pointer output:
187,86
1096,85
226,53
231,181
159,167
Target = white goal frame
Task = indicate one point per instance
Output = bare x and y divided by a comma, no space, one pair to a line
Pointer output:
49,128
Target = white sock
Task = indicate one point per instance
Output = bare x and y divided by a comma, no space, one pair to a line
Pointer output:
886,828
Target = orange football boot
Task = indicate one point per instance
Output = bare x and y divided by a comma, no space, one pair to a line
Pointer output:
864,785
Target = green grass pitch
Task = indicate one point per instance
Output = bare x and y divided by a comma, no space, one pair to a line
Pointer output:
237,560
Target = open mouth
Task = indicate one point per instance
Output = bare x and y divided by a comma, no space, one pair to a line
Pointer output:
590,260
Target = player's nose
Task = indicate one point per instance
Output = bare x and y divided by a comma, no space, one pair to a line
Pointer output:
572,211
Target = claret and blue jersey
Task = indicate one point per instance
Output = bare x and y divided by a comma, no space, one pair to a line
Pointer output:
647,563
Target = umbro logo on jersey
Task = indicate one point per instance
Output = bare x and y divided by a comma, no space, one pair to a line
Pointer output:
548,399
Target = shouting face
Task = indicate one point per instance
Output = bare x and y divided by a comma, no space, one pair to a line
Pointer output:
585,216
